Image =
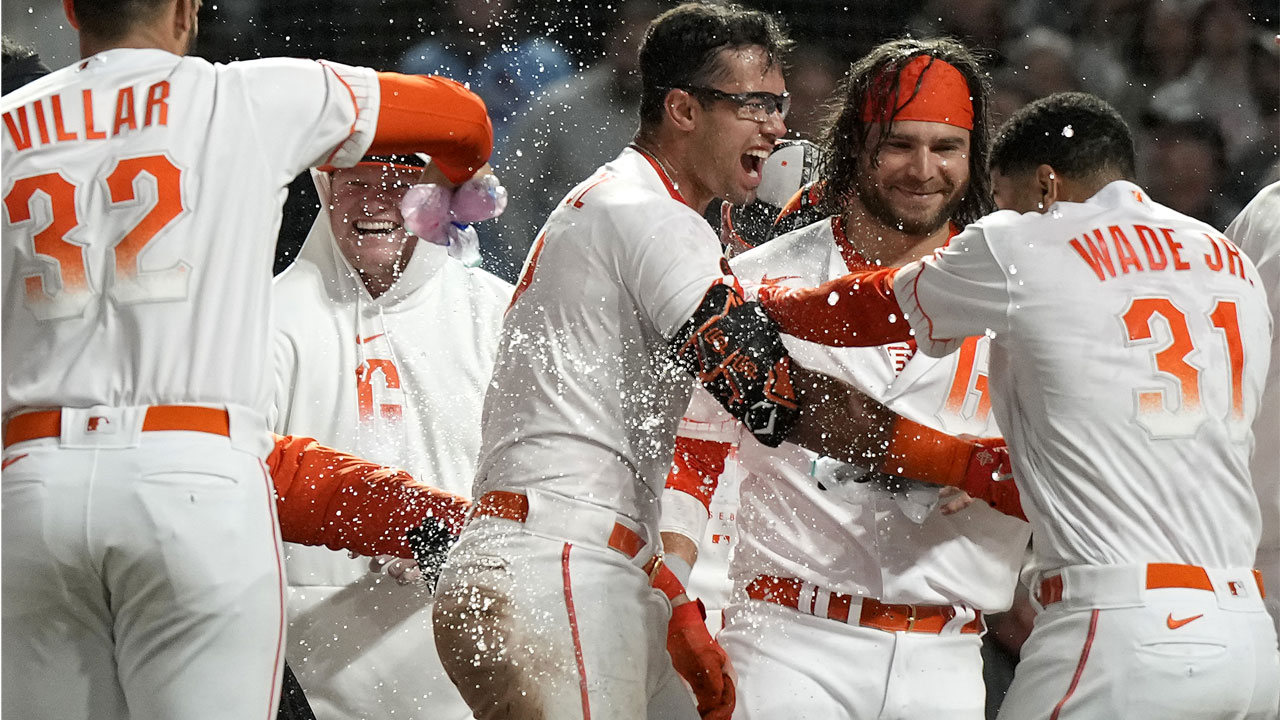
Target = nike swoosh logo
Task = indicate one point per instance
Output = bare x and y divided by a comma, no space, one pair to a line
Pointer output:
371,338
766,280
12,460
1175,624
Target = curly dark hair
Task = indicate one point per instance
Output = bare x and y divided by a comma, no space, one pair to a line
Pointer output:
682,48
1078,134
846,136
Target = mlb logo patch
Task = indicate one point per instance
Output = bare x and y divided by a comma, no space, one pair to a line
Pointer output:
99,424
1238,589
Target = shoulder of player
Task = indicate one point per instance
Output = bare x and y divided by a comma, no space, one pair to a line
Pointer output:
1256,230
792,253
636,211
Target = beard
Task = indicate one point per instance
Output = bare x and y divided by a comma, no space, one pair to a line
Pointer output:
881,208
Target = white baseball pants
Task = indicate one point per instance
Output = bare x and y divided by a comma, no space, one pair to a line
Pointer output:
1114,649
532,621
801,667
142,579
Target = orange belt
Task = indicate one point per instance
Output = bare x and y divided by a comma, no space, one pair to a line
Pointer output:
1159,575
875,614
515,506
191,418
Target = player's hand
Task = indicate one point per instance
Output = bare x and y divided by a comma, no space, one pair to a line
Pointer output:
701,661
404,572
954,500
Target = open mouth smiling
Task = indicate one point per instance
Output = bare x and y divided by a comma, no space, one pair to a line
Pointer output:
375,227
753,161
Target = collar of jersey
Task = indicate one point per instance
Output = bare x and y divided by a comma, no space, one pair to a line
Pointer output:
667,182
855,260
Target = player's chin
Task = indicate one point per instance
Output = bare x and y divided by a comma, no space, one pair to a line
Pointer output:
742,192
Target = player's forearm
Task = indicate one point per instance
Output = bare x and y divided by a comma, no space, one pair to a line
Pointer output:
838,421
686,500
326,497
855,310
436,116
678,545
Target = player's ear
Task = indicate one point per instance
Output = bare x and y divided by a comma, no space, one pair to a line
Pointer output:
1048,186
679,108
69,7
185,17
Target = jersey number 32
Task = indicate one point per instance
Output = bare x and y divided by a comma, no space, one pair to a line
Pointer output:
60,285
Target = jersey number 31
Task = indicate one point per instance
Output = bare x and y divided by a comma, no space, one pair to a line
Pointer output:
1163,416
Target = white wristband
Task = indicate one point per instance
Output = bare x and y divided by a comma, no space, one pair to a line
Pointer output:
683,514
681,569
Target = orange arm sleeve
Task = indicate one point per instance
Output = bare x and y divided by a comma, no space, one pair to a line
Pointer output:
436,116
855,310
697,466
326,497
1003,496
922,453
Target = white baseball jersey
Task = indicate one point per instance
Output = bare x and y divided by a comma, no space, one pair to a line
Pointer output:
1257,232
1130,347
397,379
868,541
142,196
586,395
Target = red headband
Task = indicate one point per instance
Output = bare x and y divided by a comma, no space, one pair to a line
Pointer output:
943,97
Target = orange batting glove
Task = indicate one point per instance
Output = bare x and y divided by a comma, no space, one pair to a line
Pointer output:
695,654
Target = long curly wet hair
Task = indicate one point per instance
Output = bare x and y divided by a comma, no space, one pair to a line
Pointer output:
846,136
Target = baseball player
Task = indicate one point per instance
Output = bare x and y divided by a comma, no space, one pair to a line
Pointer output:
142,190
357,371
828,568
1129,348
545,608
1257,233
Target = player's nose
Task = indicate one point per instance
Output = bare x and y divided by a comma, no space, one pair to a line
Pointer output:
774,127
922,165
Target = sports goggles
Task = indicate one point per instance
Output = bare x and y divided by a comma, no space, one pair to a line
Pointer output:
757,106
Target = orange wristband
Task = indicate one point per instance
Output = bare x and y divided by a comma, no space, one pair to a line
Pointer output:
922,453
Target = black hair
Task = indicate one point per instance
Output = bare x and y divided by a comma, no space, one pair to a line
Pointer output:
113,19
1076,133
846,137
682,47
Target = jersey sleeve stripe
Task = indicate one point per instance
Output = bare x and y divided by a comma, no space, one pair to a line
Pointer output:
363,100
920,321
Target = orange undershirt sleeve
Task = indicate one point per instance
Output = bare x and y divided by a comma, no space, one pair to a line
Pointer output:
436,116
326,497
854,310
